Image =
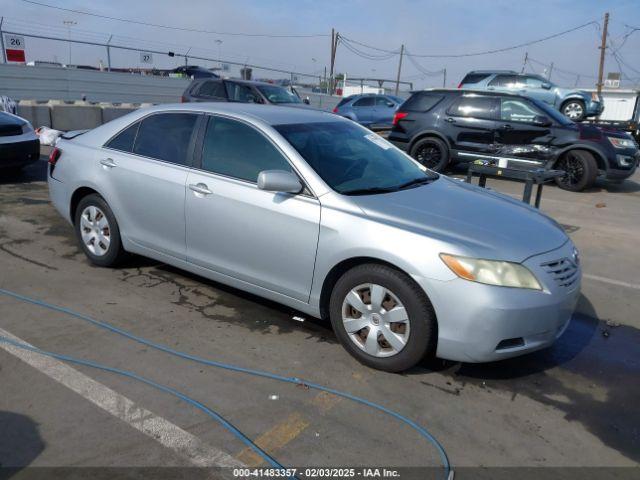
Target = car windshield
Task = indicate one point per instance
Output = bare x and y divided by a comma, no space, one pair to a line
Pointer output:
552,113
353,160
278,94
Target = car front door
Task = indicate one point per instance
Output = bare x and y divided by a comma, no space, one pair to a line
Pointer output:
363,108
469,124
263,238
144,172
384,110
539,88
519,133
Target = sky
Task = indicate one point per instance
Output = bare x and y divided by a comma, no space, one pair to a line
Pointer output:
425,27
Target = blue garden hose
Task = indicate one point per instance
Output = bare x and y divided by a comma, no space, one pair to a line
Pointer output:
258,373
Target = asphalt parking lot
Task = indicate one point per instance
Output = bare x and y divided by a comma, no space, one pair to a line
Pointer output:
575,404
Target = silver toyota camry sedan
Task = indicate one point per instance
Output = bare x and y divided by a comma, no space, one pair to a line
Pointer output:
315,212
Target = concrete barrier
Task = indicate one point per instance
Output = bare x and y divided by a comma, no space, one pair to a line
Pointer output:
77,116
111,112
39,114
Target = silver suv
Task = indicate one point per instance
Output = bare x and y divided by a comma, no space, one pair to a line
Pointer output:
575,104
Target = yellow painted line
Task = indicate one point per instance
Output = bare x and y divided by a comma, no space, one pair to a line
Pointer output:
274,439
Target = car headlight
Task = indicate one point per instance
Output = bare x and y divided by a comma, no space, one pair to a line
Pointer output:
595,97
622,142
491,272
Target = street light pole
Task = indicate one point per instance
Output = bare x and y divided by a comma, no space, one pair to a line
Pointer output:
69,24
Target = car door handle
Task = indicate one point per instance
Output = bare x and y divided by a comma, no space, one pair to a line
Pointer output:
507,127
450,120
200,188
108,162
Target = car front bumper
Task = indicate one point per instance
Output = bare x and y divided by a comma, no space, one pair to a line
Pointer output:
593,108
484,323
18,154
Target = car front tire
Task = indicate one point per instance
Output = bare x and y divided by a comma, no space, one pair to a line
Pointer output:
382,317
574,109
581,170
97,231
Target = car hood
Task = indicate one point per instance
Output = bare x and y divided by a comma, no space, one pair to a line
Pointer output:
478,221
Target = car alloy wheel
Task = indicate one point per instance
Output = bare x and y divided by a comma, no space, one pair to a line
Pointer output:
95,230
429,155
375,320
573,167
573,110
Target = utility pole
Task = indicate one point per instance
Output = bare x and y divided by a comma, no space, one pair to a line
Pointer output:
550,70
4,58
334,46
603,48
399,69
109,54
524,63
444,78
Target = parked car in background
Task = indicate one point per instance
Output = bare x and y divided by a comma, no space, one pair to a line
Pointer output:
194,71
438,127
573,103
243,91
369,109
316,212
19,144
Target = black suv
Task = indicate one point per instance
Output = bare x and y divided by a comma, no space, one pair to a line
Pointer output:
437,127
244,91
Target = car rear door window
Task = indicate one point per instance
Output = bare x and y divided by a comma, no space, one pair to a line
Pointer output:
507,81
421,102
364,102
212,89
517,110
124,140
237,150
473,106
472,78
237,92
166,136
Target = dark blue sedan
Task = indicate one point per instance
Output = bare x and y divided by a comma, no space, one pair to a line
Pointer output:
369,109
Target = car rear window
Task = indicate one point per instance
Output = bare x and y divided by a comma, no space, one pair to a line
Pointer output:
474,78
421,102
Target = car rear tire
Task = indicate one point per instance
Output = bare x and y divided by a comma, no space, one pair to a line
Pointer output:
382,317
581,169
431,152
574,110
97,231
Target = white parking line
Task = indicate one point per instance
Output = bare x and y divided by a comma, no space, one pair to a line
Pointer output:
155,427
611,281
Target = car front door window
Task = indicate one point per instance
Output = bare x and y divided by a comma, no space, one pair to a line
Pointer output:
517,110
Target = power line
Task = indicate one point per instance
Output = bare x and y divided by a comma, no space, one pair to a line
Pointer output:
488,52
171,27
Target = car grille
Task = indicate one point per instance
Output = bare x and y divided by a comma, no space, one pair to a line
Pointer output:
563,271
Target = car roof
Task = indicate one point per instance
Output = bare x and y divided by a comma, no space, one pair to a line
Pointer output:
513,72
469,91
239,80
270,114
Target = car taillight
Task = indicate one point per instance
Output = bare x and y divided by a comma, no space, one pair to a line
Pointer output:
54,156
183,99
398,116
460,85
335,110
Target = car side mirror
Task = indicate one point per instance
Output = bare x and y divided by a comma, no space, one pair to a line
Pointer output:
542,121
546,86
279,181
306,100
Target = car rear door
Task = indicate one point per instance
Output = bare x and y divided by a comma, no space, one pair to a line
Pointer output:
235,229
211,91
363,108
143,176
469,123
517,135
